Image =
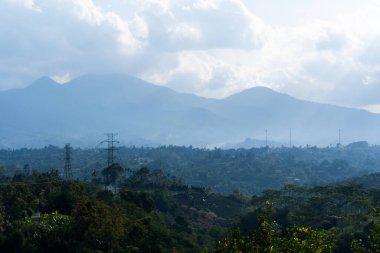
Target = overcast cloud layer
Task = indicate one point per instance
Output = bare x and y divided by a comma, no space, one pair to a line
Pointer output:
320,51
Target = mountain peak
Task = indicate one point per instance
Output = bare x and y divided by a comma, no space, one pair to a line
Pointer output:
261,90
105,78
43,82
259,93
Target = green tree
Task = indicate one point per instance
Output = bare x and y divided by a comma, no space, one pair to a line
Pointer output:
270,238
111,174
99,226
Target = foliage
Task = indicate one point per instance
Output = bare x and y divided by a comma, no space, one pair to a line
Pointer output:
42,213
153,211
251,171
271,238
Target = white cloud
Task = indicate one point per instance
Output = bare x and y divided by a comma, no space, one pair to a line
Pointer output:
183,31
62,78
28,4
88,11
209,47
375,108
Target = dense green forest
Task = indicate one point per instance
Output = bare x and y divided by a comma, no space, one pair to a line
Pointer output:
250,171
184,199
152,212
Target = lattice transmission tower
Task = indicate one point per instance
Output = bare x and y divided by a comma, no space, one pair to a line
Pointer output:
67,171
111,147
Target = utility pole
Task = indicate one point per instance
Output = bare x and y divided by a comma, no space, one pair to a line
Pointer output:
290,137
266,138
67,170
111,141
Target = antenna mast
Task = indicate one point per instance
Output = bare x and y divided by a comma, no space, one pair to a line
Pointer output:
339,140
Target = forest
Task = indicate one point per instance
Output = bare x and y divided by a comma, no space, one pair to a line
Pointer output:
150,212
250,171
147,209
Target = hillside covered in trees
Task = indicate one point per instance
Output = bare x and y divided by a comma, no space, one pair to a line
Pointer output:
184,199
151,212
248,170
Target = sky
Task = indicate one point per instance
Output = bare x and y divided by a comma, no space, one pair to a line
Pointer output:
319,50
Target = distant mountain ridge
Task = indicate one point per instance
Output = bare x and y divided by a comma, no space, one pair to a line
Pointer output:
81,110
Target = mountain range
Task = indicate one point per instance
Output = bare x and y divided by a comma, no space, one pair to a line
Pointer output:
82,110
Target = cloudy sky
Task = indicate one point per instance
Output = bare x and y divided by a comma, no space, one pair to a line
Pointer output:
320,50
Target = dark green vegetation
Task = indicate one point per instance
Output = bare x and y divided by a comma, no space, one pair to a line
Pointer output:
250,171
152,212
347,211
304,200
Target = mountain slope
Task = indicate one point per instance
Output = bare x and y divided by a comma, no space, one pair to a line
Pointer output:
85,108
81,110
257,109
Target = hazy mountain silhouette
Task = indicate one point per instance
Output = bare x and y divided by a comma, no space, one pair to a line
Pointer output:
81,110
